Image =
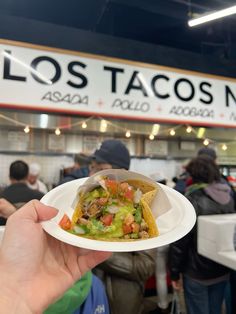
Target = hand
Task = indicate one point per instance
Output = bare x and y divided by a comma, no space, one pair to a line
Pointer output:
6,208
35,268
177,284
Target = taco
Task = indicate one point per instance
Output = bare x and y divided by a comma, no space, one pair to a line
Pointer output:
114,210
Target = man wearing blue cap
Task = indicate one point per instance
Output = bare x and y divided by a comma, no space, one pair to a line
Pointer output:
112,154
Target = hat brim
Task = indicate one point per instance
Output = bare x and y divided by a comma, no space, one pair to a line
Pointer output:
98,159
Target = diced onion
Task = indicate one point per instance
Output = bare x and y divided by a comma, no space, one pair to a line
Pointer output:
79,230
113,209
137,196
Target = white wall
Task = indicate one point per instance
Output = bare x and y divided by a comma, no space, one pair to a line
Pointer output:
157,168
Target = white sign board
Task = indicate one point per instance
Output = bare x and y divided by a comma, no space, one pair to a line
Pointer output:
156,148
49,79
56,142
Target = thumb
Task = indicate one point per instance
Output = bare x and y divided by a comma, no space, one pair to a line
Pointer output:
35,211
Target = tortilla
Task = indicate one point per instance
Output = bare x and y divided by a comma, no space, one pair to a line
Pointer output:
133,219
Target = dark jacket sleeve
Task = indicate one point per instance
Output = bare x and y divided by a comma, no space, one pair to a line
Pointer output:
137,266
177,256
178,252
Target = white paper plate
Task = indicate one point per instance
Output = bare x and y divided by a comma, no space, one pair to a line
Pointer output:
172,225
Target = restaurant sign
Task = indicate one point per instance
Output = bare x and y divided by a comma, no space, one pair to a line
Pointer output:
55,80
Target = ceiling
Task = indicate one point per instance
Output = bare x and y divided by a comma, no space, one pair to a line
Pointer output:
160,22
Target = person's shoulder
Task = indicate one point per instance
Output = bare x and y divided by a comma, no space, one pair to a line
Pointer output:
7,190
36,194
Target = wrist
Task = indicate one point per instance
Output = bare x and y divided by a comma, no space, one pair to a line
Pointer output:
12,303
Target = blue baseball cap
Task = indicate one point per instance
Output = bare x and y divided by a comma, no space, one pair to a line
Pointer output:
113,152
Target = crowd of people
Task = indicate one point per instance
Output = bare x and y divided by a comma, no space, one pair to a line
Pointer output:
40,274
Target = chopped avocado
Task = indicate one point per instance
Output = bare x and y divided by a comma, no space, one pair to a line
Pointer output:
138,214
134,236
96,193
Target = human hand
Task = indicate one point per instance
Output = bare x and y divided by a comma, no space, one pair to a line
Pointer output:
35,268
177,284
6,208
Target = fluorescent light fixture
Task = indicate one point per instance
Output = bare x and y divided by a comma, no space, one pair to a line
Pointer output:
103,126
201,132
39,75
212,16
155,129
43,121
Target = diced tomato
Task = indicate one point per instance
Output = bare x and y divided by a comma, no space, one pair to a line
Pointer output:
129,194
135,227
65,222
111,185
127,229
107,219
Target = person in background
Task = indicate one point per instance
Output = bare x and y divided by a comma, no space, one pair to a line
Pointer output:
204,280
184,180
230,287
124,274
79,170
18,193
33,180
35,268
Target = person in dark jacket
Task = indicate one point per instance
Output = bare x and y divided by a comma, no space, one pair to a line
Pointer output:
18,193
79,170
204,281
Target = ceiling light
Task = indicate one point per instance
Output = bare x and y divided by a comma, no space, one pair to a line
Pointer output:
127,134
151,137
189,129
57,131
206,142
26,129
32,70
212,16
172,132
84,125
224,147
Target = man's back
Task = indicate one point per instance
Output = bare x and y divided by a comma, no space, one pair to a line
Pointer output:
20,193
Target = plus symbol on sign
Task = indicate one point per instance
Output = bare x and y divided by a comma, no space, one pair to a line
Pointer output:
159,109
100,103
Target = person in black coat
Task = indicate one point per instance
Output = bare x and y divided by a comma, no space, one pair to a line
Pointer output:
204,280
